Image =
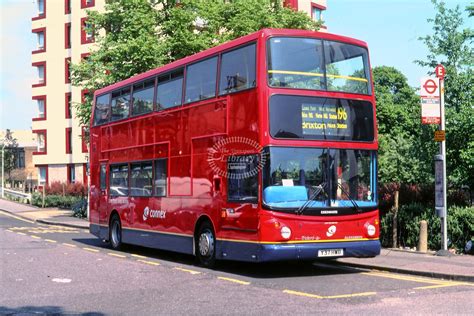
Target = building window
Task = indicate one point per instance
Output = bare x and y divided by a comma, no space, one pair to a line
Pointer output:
87,36
40,9
84,136
40,108
67,35
317,12
42,175
293,4
87,3
41,74
69,140
67,70
68,105
40,36
71,173
85,57
40,104
19,158
67,6
85,95
41,142
40,40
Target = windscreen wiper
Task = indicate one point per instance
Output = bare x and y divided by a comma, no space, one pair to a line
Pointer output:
319,189
354,203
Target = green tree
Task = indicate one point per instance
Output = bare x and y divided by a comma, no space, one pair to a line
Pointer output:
405,146
10,144
134,36
450,44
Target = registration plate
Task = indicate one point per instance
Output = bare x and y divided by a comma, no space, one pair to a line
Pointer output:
330,253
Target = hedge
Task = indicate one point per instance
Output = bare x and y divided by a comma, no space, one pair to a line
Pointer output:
66,201
460,226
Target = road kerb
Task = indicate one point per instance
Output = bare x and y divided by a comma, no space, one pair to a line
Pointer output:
430,274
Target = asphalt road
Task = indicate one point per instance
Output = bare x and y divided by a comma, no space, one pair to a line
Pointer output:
56,270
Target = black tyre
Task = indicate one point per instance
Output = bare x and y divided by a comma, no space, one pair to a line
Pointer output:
206,245
115,233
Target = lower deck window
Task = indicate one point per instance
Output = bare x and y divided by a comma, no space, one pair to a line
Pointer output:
119,180
141,180
161,178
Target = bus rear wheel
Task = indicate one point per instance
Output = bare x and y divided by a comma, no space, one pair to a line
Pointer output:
206,245
115,233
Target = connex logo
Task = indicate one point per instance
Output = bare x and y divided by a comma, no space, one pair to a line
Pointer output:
153,214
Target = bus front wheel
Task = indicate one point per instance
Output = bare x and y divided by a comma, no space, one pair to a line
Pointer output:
206,245
115,233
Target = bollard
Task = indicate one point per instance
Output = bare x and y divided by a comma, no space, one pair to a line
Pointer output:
423,239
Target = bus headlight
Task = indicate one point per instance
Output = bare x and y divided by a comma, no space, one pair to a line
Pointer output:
371,230
285,232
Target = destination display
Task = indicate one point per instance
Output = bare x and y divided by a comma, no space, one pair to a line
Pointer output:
321,118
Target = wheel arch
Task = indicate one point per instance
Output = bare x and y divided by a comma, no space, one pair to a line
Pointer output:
112,214
201,219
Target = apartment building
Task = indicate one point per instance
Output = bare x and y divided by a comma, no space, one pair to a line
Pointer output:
314,9
61,153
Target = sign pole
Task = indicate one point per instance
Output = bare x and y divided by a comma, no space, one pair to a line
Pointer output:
444,218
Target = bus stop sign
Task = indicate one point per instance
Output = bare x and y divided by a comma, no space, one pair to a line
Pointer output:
430,100
440,71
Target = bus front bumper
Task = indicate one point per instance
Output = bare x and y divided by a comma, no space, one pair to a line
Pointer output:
260,252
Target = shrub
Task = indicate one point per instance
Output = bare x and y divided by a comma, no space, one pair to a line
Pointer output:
63,188
460,226
417,193
80,209
66,201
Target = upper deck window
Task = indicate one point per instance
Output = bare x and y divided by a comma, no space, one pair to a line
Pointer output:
120,104
307,63
143,97
170,89
102,109
347,68
201,80
296,63
237,70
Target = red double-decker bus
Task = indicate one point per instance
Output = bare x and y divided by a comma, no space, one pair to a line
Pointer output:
260,149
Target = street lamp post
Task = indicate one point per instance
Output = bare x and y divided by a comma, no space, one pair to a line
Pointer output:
3,169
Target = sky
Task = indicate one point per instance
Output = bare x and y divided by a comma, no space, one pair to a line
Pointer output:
390,27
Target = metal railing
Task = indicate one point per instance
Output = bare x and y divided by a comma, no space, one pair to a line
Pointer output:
17,194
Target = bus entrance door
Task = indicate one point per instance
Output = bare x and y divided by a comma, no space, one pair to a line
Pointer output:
242,195
103,200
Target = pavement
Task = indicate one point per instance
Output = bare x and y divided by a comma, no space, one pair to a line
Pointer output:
454,267
50,216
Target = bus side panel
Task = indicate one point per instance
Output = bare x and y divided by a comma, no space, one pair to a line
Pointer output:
158,240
